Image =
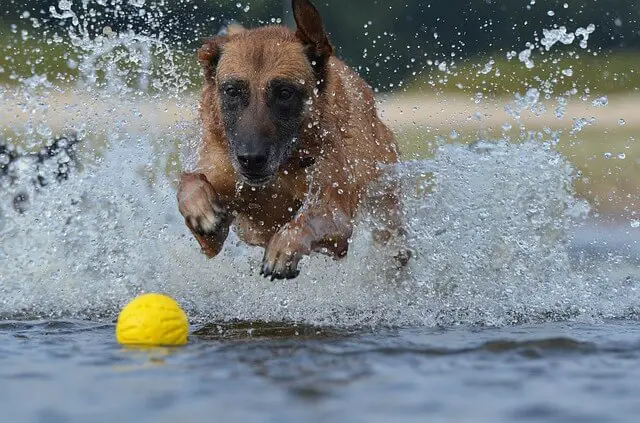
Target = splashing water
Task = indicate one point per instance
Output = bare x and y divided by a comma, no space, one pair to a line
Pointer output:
489,224
490,239
552,36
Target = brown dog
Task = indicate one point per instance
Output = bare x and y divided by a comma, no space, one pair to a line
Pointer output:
291,141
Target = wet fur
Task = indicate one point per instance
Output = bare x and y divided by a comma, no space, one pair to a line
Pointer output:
322,161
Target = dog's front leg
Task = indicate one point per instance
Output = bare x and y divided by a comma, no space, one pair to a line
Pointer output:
322,226
206,216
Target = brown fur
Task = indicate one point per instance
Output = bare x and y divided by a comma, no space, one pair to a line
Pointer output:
312,202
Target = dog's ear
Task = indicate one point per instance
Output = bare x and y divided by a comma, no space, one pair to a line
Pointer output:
310,31
209,55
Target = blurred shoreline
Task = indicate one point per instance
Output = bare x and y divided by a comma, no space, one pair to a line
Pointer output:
440,111
605,152
454,111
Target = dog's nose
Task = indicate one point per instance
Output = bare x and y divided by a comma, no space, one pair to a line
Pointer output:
252,161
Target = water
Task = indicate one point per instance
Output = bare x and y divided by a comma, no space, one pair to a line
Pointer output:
551,372
516,307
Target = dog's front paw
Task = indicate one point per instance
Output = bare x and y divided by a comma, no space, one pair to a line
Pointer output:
283,254
204,214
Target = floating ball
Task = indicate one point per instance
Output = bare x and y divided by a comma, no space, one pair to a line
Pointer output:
152,319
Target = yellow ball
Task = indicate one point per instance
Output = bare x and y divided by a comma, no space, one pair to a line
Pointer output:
152,319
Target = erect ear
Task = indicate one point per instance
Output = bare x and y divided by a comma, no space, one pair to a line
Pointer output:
310,31
209,55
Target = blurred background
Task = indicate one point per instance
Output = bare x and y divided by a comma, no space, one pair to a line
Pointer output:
445,71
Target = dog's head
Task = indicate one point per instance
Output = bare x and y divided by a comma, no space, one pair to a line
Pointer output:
264,80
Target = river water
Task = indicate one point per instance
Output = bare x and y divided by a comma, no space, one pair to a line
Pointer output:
72,371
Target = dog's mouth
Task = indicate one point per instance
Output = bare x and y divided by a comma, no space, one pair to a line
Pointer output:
256,180
253,177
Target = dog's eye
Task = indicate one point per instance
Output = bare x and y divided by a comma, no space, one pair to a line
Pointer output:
231,92
285,94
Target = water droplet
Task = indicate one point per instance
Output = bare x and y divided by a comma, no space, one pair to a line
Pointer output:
525,57
488,67
622,122
607,155
600,101
551,13
635,223
553,36
65,4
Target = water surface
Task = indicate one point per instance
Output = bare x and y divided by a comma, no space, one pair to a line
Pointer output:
73,371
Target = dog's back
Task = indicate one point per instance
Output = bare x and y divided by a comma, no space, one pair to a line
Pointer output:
363,133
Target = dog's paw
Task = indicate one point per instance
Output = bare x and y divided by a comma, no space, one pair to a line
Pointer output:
283,254
198,203
204,214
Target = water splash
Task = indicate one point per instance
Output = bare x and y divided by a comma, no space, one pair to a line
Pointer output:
585,33
525,57
553,36
489,225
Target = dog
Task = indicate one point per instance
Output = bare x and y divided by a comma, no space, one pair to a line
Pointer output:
291,140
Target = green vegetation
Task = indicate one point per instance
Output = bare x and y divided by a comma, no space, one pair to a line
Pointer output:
23,59
616,72
497,76
387,41
170,68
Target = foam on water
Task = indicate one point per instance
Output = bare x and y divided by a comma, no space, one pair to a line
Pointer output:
489,224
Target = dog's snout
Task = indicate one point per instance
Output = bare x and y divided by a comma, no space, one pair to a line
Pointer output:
252,161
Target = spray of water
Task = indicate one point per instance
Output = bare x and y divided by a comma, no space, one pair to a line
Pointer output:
489,223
